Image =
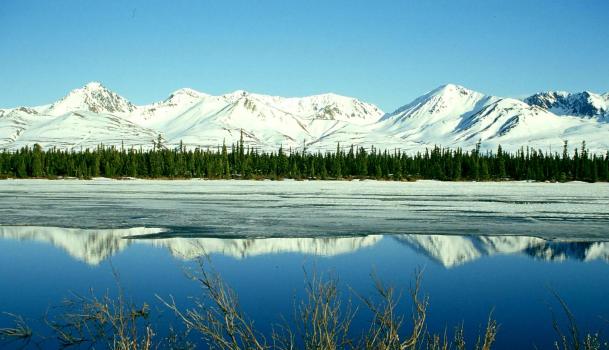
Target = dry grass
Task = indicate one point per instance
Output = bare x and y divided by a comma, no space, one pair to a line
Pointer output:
387,328
218,316
106,322
322,321
20,331
385,331
571,339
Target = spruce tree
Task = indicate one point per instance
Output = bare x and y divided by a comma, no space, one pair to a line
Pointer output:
37,161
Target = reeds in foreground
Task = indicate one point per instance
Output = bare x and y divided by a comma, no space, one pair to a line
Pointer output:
19,331
571,340
321,321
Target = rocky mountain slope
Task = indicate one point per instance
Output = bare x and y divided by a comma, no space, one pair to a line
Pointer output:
583,104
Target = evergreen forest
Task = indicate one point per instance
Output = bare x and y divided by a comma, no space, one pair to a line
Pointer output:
240,162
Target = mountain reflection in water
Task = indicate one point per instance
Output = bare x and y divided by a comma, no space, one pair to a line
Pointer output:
92,246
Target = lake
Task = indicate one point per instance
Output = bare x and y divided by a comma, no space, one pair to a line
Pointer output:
503,247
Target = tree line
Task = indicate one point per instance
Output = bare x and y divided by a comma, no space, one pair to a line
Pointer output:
240,162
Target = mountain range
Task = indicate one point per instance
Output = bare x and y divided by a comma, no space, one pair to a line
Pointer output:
449,116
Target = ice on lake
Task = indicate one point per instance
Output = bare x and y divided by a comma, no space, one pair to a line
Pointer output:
311,208
484,246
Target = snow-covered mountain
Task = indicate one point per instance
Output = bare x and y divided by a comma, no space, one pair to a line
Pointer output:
93,97
198,119
584,104
82,129
449,116
454,116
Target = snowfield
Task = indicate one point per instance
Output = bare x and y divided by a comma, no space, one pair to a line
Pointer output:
449,116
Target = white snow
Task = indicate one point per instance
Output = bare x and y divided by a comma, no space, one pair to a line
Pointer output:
452,223
300,208
585,104
92,97
449,116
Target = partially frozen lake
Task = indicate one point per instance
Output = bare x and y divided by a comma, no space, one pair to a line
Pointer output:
315,208
482,245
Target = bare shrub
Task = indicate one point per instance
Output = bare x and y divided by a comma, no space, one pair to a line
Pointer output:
19,332
322,321
388,331
571,340
106,321
217,316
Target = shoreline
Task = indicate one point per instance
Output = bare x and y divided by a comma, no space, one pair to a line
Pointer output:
172,179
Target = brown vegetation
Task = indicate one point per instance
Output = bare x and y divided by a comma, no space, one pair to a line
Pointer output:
322,321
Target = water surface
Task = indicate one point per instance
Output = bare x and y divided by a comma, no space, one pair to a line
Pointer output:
483,246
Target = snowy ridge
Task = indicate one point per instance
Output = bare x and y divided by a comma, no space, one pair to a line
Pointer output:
203,120
449,116
454,116
446,102
93,97
86,130
583,104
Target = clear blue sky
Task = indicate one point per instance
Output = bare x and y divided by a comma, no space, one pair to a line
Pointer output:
384,52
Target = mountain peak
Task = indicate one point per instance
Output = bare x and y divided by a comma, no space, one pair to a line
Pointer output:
238,93
93,85
92,97
450,115
330,95
451,89
582,104
449,86
449,100
185,93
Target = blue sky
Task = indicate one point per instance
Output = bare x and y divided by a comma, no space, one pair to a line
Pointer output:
384,52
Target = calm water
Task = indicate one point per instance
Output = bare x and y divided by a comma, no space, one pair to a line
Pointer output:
483,246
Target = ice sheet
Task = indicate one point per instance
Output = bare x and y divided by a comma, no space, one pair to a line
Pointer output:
309,209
